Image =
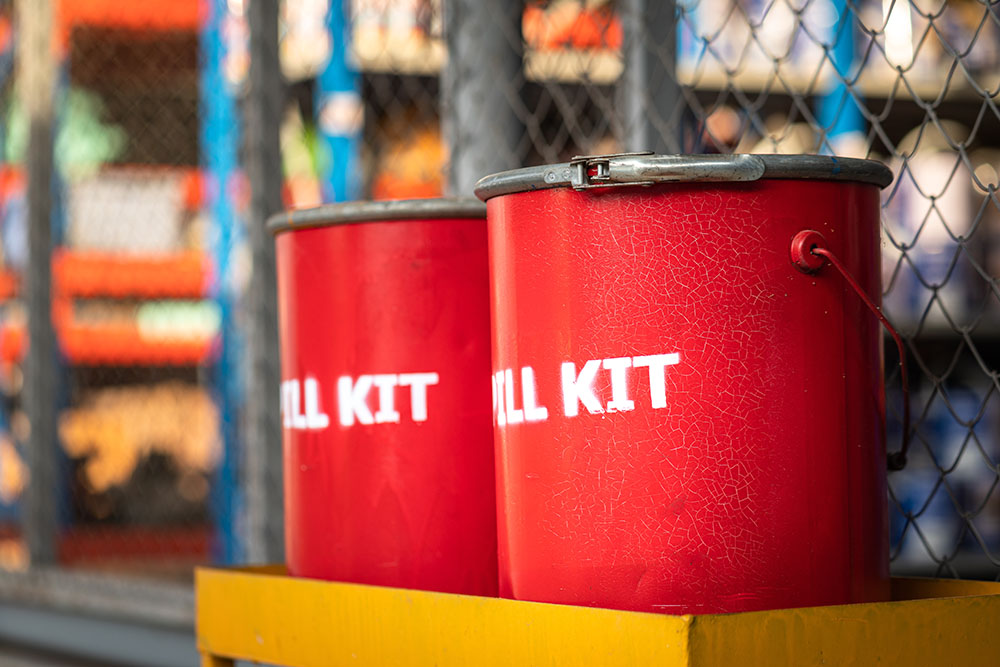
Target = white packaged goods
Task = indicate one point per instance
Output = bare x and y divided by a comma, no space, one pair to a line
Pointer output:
135,211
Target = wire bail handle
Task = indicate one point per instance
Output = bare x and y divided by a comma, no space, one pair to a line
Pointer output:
810,253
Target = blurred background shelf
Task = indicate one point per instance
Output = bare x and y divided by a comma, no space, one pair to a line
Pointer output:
602,66
875,82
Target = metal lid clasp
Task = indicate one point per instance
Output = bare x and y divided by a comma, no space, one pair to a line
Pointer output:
596,171
616,169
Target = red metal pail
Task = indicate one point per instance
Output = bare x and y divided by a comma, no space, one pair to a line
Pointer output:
685,421
384,322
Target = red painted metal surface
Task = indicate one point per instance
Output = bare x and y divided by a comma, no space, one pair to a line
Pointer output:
389,474
748,471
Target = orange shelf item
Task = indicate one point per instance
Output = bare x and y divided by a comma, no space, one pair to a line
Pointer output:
13,343
570,25
173,15
123,345
9,284
113,345
11,181
88,274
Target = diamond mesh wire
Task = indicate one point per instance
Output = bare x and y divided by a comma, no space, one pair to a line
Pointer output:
909,82
913,83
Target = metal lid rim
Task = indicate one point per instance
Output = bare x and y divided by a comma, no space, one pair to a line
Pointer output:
359,212
778,167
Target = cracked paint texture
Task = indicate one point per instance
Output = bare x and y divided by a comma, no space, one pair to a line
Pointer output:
762,483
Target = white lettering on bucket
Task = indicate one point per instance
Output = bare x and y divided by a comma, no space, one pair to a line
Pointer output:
301,402
418,383
290,405
657,382
505,395
313,417
352,399
387,412
514,416
533,412
580,388
619,384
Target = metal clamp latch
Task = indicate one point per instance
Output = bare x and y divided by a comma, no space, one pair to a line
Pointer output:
595,171
605,171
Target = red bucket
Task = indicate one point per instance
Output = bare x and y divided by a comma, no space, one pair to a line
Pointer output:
685,421
388,444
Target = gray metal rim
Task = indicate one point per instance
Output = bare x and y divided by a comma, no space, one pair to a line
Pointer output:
603,171
376,211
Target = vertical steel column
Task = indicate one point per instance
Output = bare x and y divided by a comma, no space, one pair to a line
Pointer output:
339,111
651,97
37,74
480,91
838,113
263,105
219,145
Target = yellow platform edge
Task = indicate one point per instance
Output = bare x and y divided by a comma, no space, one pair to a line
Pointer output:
261,615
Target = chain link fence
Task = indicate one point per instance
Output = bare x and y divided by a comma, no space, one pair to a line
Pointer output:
151,262
908,82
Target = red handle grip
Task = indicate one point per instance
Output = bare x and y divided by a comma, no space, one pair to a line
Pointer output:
809,254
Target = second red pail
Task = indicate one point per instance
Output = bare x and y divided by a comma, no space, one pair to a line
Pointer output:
388,443
686,422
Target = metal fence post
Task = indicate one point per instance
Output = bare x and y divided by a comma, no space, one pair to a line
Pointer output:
219,148
479,92
651,96
265,539
36,62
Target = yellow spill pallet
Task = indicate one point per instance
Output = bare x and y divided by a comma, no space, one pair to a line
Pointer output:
259,614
